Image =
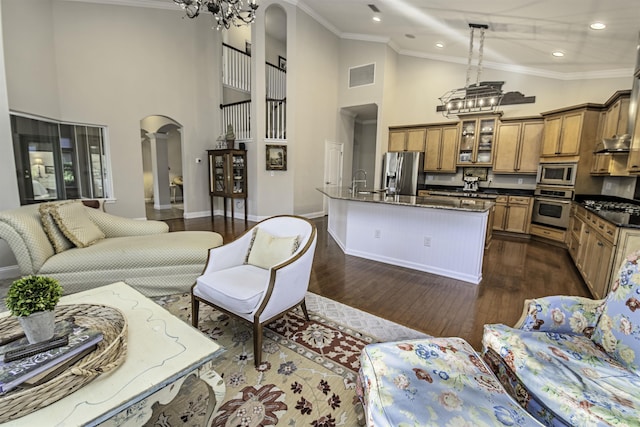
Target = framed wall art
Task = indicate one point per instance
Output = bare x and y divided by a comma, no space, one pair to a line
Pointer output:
282,63
276,157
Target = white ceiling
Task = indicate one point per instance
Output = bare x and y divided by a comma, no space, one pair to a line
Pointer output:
521,36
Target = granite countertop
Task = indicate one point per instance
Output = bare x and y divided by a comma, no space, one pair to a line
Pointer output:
434,202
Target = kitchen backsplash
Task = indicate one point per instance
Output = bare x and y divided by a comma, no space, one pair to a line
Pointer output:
523,182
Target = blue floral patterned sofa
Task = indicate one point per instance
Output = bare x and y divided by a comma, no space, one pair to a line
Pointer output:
575,361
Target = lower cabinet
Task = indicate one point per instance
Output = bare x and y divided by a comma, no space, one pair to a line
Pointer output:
592,245
513,214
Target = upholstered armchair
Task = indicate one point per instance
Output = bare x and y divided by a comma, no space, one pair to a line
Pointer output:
259,276
573,360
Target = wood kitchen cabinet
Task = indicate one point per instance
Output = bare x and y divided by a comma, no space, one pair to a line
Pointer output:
610,164
477,141
441,149
565,132
513,214
407,139
228,177
517,148
592,245
615,119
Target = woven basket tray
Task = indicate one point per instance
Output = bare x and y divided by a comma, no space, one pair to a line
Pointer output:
109,354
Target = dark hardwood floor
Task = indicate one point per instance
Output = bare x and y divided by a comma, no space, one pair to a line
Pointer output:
514,270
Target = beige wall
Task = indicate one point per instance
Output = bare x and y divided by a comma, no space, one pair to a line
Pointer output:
9,189
315,104
29,50
420,82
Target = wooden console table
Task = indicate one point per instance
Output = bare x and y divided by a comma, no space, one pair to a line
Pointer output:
162,353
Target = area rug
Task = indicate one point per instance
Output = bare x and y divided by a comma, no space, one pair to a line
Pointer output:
307,375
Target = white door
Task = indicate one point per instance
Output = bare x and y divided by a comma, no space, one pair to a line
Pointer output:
332,167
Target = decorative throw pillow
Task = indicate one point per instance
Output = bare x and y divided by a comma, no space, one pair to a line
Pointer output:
618,329
56,237
267,250
75,224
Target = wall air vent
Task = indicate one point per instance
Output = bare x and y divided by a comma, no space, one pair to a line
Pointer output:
362,75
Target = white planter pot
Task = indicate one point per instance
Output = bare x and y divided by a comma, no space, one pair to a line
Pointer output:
38,326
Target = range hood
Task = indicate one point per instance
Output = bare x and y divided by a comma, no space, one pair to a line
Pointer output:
617,144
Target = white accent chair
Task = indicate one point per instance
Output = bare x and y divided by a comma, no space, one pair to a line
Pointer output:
231,284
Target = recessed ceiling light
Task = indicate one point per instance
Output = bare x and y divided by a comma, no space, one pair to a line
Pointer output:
439,45
558,53
598,26
377,18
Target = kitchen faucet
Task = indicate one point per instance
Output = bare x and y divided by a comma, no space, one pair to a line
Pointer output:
354,181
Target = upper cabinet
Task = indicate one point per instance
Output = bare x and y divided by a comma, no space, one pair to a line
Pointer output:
477,141
517,147
616,117
569,131
441,148
407,139
614,120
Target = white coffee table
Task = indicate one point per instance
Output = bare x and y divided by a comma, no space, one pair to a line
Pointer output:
162,352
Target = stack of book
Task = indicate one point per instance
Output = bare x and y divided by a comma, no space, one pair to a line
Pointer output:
27,365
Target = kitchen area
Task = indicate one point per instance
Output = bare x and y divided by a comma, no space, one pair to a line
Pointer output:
566,177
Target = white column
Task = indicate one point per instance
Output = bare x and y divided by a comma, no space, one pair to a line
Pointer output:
160,170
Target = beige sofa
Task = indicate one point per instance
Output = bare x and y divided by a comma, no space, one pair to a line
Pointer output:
141,253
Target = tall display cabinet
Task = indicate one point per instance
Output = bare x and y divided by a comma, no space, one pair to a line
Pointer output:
228,177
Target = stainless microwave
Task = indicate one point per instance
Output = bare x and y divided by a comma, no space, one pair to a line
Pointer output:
557,174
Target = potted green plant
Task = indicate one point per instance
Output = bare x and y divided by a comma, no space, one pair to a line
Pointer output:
32,300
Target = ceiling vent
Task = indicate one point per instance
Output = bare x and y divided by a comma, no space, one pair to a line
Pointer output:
362,75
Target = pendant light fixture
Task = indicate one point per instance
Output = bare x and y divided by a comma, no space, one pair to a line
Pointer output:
473,97
225,12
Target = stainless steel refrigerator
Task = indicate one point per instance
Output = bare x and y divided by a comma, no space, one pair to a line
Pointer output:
400,172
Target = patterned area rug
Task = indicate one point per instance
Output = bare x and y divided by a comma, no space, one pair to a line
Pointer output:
307,376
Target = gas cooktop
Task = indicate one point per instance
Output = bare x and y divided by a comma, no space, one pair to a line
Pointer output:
612,206
623,214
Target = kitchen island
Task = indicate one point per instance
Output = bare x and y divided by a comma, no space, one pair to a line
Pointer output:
436,234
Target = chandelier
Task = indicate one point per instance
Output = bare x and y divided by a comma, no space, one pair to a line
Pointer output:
473,97
225,12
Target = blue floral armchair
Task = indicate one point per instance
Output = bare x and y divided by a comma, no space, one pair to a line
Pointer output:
575,361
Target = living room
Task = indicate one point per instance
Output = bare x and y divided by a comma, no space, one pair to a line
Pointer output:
113,63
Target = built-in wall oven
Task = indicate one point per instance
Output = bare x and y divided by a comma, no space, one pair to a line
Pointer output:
551,206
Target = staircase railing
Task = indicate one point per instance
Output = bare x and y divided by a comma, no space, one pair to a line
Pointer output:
238,115
276,119
276,82
236,69
236,74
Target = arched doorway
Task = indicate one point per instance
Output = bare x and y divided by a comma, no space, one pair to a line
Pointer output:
161,145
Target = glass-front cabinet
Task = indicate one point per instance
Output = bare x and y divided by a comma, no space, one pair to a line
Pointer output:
476,141
228,177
